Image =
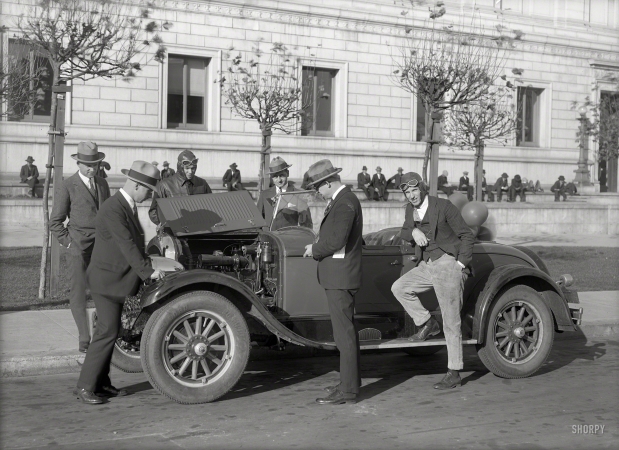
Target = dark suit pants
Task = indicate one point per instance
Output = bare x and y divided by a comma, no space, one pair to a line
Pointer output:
490,196
469,192
238,187
369,192
96,369
446,189
380,190
560,193
499,194
513,193
341,308
78,263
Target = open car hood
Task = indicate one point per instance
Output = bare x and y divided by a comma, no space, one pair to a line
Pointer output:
209,213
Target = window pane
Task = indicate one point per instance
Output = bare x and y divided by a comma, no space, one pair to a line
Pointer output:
421,121
195,109
187,78
529,120
175,109
175,76
308,95
197,77
324,97
43,105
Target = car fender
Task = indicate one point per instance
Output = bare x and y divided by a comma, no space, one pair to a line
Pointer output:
179,282
530,276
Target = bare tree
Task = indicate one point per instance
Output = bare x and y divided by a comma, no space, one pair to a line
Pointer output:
447,64
274,93
83,40
491,119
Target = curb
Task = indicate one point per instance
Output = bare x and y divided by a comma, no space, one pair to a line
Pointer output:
72,363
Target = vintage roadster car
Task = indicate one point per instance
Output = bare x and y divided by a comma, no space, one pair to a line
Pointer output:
232,284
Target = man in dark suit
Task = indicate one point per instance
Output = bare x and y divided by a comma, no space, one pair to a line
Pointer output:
290,209
79,198
183,182
501,187
485,190
117,267
559,189
338,252
232,178
364,182
167,172
443,184
29,174
465,186
444,246
395,181
517,188
380,184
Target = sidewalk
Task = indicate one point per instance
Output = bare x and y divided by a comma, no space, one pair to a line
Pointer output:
45,342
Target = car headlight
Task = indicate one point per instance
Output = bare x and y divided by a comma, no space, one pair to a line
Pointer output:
165,264
169,247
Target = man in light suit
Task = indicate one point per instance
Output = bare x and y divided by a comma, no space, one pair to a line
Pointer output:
79,198
444,247
117,267
289,209
338,252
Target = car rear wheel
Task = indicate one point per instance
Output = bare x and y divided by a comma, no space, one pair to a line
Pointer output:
520,333
195,348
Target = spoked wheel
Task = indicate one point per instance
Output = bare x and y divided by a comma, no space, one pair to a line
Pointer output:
519,335
195,349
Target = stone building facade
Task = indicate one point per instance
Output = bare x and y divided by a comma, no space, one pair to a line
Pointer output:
567,45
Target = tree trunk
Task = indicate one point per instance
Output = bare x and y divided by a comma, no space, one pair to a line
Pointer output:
428,153
45,200
263,173
479,170
434,154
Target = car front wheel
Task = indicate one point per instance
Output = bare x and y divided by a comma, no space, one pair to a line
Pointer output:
195,348
520,333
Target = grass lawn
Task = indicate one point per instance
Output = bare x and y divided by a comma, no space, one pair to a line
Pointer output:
593,269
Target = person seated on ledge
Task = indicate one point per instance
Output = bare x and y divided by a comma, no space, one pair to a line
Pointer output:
559,189
232,179
485,190
443,184
465,186
380,184
517,189
538,187
364,182
30,174
501,187
571,188
395,181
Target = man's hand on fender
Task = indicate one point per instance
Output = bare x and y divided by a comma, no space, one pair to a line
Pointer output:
420,238
308,251
158,274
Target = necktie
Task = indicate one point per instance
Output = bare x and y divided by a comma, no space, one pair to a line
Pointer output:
416,217
93,188
135,212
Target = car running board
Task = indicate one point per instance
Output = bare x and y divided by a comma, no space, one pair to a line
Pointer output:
405,343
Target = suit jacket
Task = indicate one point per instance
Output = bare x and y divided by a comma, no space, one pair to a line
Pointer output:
500,183
447,229
118,261
23,173
75,201
558,186
340,243
292,210
379,180
363,179
464,183
167,173
442,181
231,178
396,180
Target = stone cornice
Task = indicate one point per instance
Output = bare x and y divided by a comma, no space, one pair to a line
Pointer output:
315,19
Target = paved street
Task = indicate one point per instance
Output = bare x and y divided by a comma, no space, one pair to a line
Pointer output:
273,407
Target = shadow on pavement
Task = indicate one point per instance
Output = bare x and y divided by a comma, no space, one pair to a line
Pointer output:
565,351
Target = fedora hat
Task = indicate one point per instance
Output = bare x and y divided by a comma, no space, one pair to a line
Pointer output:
466,172
504,175
400,169
88,152
29,159
144,173
561,178
165,164
278,165
233,166
378,168
364,168
320,171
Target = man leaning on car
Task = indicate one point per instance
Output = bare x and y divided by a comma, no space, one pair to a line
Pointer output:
183,182
445,248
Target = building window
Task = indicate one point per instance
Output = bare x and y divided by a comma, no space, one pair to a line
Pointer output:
319,85
29,95
187,88
529,117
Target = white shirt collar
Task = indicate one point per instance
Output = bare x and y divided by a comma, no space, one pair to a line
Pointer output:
283,188
85,179
129,199
423,208
337,192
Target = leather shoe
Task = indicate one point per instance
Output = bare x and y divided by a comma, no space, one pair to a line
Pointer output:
337,397
332,389
88,397
449,381
430,328
111,391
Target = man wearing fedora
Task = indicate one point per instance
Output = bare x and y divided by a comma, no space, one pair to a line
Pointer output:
79,198
283,210
444,248
501,187
338,252
379,182
396,180
117,267
167,172
232,178
29,174
465,185
364,182
559,189
183,182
